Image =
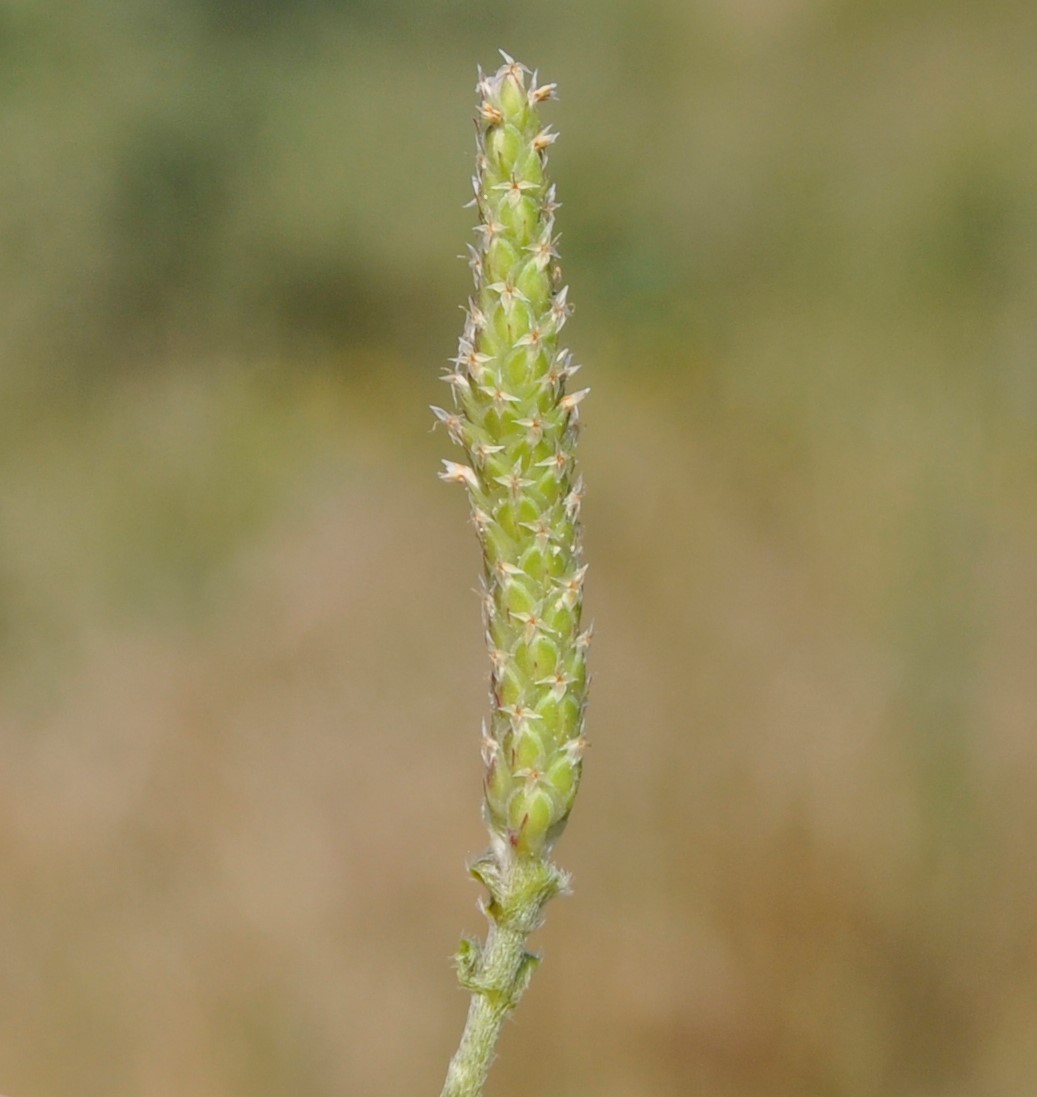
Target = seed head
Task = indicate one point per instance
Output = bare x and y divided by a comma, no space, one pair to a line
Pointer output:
518,426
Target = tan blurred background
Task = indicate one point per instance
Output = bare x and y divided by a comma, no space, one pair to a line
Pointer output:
241,666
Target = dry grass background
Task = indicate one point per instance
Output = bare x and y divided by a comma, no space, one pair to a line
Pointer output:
242,670
233,834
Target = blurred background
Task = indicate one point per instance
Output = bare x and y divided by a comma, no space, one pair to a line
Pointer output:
241,663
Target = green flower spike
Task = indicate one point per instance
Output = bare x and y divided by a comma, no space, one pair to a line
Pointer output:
518,426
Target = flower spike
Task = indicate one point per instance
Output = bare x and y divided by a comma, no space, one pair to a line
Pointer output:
515,420
518,427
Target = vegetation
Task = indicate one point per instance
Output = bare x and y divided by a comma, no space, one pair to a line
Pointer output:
238,677
517,421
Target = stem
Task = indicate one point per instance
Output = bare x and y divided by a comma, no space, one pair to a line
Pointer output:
498,972
504,951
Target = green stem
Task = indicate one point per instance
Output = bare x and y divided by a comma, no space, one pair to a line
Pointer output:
504,952
498,972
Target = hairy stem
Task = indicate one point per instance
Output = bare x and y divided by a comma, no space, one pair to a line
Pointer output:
498,972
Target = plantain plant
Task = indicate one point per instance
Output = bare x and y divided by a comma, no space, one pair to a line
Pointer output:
517,421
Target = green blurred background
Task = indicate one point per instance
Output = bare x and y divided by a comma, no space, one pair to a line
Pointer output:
241,666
